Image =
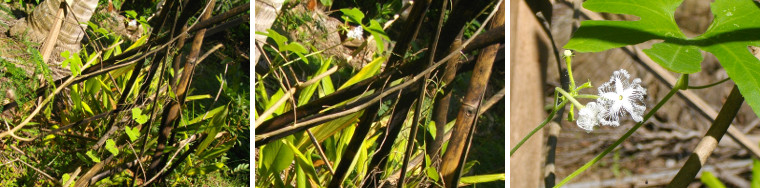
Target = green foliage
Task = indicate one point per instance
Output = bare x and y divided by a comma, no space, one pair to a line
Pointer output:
710,180
755,183
61,153
93,157
733,29
295,160
73,62
138,116
132,133
65,178
483,178
354,15
285,46
111,147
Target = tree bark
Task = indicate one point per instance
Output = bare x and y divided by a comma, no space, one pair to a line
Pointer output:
455,155
40,22
266,12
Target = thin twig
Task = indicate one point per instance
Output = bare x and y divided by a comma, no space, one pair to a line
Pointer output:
307,123
287,95
47,99
138,158
185,142
72,177
39,171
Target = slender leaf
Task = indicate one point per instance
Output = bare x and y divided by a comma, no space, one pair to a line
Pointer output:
710,180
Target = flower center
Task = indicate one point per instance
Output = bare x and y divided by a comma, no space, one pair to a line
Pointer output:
621,97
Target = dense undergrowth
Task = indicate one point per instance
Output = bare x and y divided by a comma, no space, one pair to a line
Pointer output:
336,108
136,98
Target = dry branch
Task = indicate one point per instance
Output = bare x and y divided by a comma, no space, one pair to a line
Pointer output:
456,152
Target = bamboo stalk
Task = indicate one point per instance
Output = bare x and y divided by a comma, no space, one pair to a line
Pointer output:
52,37
709,142
453,158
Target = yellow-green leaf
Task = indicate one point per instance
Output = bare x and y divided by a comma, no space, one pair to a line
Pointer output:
111,147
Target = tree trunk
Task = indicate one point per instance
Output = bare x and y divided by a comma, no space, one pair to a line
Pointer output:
266,12
39,23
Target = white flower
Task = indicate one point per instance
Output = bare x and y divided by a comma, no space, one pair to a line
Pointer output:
589,116
618,95
567,53
355,33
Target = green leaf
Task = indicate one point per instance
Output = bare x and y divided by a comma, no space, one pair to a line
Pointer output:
354,15
431,128
215,125
87,108
710,180
93,157
210,114
666,54
278,39
304,162
138,116
277,95
367,71
137,43
300,176
656,19
377,32
430,171
49,137
482,178
307,92
295,47
197,97
117,4
277,156
216,152
755,174
326,86
65,178
735,26
131,13
111,147
132,133
326,3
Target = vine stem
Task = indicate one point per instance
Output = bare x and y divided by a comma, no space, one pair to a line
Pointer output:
549,118
569,97
568,61
681,84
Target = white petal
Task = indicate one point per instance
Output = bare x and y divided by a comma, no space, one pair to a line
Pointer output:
588,117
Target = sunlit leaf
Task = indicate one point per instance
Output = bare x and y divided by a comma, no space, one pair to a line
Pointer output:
734,28
197,97
138,116
133,134
710,180
482,178
93,157
354,15
111,147
367,71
